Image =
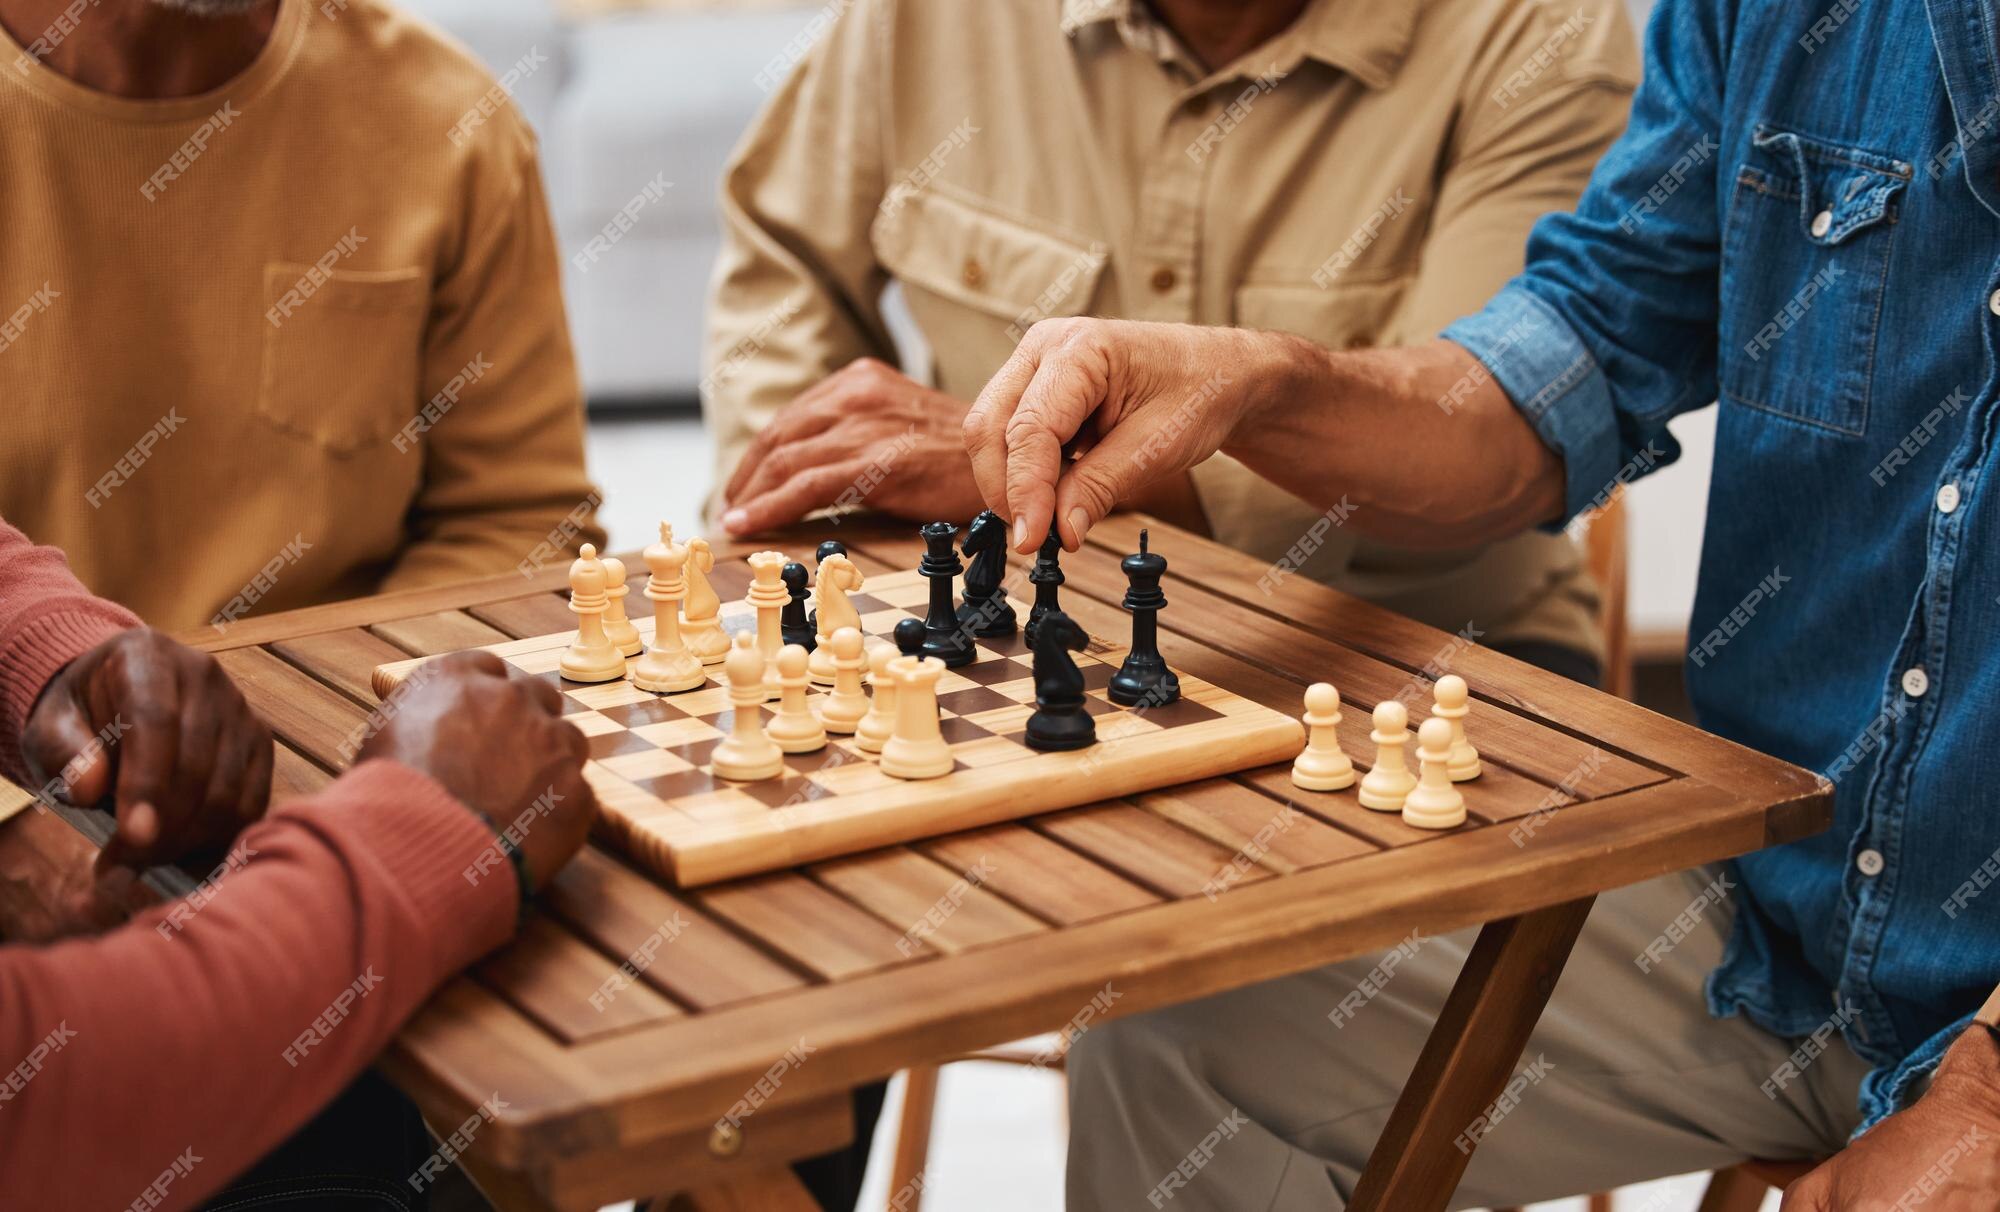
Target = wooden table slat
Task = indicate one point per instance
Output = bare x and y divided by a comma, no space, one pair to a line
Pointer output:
342,659
313,717
438,631
927,900
1041,875
534,614
809,924
552,977
1143,847
1272,836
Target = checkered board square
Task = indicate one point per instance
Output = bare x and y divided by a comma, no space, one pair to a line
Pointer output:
650,753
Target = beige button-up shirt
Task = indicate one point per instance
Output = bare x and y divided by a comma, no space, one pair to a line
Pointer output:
1366,177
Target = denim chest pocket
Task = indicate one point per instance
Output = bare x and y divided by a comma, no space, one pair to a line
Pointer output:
1805,266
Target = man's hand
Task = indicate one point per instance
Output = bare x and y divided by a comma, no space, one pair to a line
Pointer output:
161,729
1942,1152
1142,400
864,434
497,741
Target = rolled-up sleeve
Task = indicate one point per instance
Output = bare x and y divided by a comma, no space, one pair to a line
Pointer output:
1610,331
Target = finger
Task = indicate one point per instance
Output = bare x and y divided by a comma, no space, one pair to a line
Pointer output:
986,431
1112,471
139,688
813,488
477,661
837,445
254,795
132,841
1066,388
60,746
540,692
1813,1193
804,418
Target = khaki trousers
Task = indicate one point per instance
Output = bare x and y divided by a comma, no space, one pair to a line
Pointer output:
1270,1098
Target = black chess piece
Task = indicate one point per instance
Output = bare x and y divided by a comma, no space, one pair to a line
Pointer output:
942,638
1047,578
1144,677
1060,721
830,547
909,636
986,610
793,625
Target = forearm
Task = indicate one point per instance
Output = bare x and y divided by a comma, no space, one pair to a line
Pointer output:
217,1025
47,619
1421,443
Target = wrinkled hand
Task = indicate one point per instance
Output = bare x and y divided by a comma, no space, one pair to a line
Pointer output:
497,741
866,434
160,729
1943,1152
1143,401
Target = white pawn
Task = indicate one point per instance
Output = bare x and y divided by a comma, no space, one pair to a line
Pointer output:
917,749
1435,804
843,709
746,754
591,657
617,624
1389,780
1323,766
876,727
795,728
1452,695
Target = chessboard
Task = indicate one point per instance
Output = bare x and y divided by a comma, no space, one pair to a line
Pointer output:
663,808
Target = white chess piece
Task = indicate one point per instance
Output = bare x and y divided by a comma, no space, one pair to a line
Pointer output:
667,666
769,597
880,723
591,657
1389,780
1452,704
917,749
1323,766
746,754
837,578
1435,803
701,622
795,728
843,709
617,624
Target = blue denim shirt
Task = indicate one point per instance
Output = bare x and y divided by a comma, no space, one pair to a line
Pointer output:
1802,225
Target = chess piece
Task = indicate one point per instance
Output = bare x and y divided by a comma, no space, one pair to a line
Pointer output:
667,666
843,710
701,624
1144,677
1434,803
1452,704
794,625
942,637
591,656
1389,781
830,547
617,625
1061,720
837,578
794,728
767,596
1323,766
1047,578
917,748
746,754
986,610
880,723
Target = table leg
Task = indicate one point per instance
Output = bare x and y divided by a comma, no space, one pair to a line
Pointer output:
1468,1059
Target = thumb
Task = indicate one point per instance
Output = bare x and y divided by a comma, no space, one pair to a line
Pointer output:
61,746
1112,471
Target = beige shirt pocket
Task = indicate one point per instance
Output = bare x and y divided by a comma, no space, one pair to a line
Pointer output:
343,355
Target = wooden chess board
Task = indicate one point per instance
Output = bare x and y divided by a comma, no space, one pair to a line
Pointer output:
662,807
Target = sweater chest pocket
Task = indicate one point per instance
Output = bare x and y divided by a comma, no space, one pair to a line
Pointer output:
1805,267
343,353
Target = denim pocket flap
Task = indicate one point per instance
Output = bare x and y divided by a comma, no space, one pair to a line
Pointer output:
1841,190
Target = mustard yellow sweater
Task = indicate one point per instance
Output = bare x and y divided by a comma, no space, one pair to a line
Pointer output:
294,340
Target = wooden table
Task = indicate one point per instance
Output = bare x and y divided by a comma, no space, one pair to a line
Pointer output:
624,1100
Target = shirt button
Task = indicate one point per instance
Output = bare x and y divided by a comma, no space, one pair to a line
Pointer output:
1916,682
1993,303
1822,223
1164,279
1869,862
1947,498
974,273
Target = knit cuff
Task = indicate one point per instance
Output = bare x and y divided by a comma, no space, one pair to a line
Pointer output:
33,651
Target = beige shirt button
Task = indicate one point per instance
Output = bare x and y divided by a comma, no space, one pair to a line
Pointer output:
1916,683
1822,223
1869,862
1993,303
1947,498
974,273
1164,279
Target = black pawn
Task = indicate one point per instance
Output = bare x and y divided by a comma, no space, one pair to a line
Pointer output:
942,638
909,636
1061,720
793,626
986,610
1144,677
1047,578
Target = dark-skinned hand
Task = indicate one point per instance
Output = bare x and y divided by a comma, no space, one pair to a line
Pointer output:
865,435
1942,1152
159,730
496,740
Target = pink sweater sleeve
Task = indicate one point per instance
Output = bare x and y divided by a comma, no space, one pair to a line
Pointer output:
47,620
169,1055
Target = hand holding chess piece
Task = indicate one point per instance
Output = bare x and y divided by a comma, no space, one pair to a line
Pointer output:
668,666
1323,766
591,657
1434,803
1389,782
746,754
